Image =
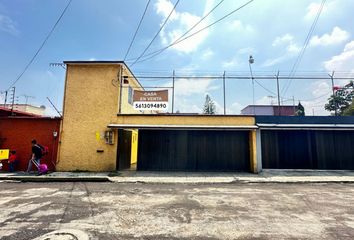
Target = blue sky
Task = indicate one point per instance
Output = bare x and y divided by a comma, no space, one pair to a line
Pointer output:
273,31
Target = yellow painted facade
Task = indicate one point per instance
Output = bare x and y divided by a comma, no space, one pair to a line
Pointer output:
134,152
253,151
214,120
91,102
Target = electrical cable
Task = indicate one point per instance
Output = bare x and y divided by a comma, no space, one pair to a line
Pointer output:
191,35
153,39
188,31
137,29
301,54
42,45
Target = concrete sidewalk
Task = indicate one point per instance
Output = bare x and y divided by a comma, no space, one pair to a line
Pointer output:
267,176
56,177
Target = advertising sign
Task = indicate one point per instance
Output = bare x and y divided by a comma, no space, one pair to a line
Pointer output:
150,100
4,154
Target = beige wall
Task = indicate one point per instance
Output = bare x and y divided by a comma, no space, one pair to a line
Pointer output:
210,120
90,104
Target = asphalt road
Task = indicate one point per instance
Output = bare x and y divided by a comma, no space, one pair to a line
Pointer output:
176,211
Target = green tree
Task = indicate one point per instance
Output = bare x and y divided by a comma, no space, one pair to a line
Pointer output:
209,106
300,110
350,110
341,100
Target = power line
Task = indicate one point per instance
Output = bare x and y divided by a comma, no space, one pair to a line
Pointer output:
301,54
42,45
188,31
137,29
153,39
262,86
191,35
238,77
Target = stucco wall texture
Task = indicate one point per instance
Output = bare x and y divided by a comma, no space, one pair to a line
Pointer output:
16,133
90,104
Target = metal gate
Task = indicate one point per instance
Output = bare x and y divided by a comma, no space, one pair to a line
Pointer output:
193,150
308,149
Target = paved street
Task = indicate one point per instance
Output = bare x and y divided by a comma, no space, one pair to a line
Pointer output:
176,211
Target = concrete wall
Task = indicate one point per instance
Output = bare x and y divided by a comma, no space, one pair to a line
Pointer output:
91,102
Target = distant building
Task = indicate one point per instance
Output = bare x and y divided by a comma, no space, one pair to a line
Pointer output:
269,110
27,108
7,112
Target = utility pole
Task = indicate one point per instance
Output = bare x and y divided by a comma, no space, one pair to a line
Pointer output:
5,100
294,105
277,76
251,61
334,94
13,91
173,90
223,82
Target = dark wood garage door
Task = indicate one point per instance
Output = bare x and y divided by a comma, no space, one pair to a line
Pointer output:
308,149
193,150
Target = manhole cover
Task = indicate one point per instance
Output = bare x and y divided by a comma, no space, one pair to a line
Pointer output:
64,234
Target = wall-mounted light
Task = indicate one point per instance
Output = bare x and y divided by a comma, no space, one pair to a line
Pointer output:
125,80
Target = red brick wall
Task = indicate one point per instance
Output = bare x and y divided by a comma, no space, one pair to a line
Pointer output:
16,133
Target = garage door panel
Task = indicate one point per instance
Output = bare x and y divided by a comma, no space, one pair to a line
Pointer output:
192,150
308,149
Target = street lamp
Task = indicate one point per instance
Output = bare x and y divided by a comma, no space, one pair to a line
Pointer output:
251,61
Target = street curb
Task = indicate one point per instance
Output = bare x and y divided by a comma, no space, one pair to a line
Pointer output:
54,179
234,181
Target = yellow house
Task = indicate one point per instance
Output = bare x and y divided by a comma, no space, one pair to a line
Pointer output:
101,130
91,101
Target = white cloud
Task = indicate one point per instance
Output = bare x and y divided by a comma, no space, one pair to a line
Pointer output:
286,38
8,25
192,86
312,9
342,62
291,49
265,100
336,36
164,7
178,24
235,108
207,54
232,63
273,61
187,106
237,25
247,50
320,88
